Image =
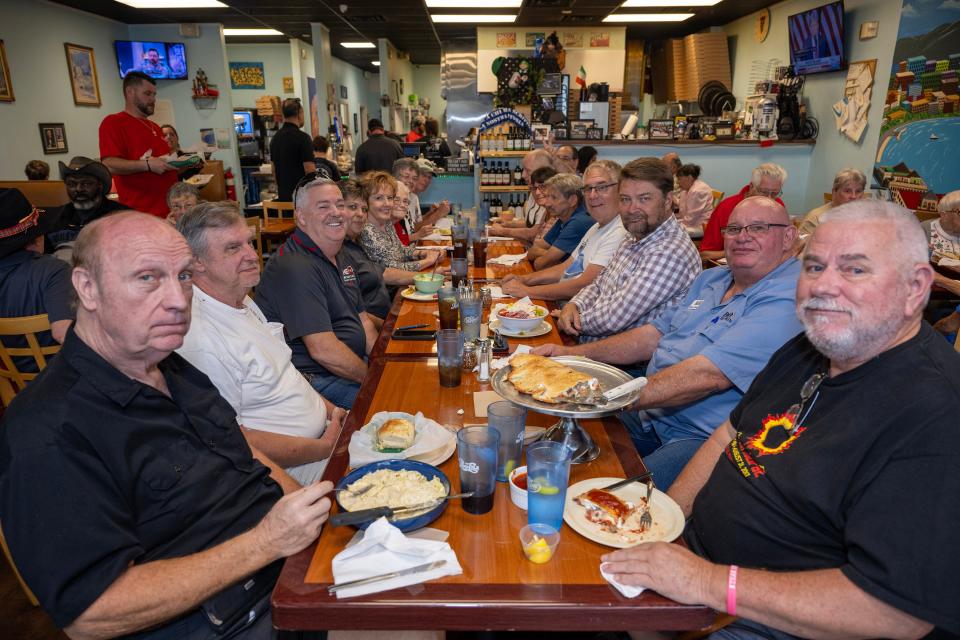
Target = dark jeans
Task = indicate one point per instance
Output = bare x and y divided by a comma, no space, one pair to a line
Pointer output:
337,390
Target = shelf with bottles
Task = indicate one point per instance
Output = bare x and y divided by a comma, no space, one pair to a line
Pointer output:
505,140
496,205
498,175
505,189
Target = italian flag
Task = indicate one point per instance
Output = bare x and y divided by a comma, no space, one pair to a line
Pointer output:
581,78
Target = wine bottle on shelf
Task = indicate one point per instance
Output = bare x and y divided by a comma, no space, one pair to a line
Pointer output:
483,174
517,175
507,175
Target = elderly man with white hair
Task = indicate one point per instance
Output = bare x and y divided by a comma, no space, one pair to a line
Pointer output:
943,238
848,185
765,180
826,506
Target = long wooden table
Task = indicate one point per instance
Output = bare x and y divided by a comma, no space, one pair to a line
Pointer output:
499,588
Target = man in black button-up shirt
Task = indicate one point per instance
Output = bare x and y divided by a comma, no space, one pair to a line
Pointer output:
128,495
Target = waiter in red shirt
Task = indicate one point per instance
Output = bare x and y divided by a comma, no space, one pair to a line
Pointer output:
132,147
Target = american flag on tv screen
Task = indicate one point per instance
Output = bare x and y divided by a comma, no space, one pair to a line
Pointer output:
831,28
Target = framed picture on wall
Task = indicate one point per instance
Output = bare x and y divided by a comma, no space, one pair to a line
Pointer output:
343,92
53,137
82,68
660,129
6,86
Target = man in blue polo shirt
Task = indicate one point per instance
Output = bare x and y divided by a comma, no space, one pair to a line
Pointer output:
705,351
564,201
311,287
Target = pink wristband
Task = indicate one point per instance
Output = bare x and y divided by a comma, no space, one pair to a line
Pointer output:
732,590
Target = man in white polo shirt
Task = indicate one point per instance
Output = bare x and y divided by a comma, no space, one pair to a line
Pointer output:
245,356
562,281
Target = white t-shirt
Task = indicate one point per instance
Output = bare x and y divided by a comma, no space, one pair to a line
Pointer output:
414,215
597,247
532,212
248,361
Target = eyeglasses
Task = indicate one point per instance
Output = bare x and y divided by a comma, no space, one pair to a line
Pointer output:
756,229
806,392
773,195
602,189
310,178
537,187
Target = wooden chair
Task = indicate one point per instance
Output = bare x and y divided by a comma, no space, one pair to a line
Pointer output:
717,197
44,194
278,222
12,380
6,551
256,225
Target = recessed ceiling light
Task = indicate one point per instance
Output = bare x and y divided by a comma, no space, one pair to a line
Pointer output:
472,17
375,63
251,32
647,17
474,4
358,45
173,4
654,4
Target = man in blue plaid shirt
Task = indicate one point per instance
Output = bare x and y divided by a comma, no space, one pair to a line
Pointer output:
650,271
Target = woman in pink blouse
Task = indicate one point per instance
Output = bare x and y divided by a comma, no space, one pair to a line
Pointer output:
693,202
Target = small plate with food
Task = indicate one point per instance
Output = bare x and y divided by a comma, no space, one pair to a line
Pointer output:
395,484
612,518
398,435
539,330
411,293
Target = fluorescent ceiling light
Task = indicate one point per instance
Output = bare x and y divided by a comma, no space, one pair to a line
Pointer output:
656,4
251,32
474,4
647,17
472,17
375,63
358,45
173,4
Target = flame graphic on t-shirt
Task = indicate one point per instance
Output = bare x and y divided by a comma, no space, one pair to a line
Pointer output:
759,441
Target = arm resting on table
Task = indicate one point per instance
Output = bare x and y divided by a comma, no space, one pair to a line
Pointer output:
141,596
328,351
290,451
687,381
565,289
635,345
551,257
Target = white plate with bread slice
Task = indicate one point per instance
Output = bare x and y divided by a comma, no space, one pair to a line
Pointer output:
394,435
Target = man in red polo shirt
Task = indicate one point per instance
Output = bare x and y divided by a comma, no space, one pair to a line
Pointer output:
766,180
132,147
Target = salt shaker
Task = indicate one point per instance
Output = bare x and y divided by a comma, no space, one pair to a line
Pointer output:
485,355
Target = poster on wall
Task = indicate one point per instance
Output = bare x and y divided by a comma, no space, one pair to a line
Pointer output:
531,38
83,75
247,75
572,39
599,40
6,86
920,131
506,39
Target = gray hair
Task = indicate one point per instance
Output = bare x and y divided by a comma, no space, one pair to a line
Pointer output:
178,189
949,202
207,215
542,159
403,164
911,241
300,194
611,168
849,175
768,170
566,184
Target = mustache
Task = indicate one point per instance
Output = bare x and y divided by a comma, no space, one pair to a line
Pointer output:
822,304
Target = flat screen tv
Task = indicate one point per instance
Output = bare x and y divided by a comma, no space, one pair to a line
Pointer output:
161,60
816,39
243,122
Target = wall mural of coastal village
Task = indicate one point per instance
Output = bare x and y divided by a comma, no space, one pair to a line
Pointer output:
918,155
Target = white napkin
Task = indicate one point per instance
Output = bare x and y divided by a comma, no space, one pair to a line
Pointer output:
435,237
627,590
524,304
385,549
444,223
496,292
435,247
499,239
431,437
500,363
508,259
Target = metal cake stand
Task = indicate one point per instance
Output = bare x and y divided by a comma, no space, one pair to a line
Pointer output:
568,430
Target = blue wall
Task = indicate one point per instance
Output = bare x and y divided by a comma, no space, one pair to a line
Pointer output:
276,65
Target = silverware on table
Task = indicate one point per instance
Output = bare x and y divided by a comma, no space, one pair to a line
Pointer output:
365,515
430,566
646,520
622,483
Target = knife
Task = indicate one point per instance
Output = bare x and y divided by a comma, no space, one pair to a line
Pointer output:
365,515
430,566
623,483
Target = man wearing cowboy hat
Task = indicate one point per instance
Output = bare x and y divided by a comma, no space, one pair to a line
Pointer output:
31,283
88,183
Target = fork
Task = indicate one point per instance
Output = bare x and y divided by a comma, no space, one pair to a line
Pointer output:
358,492
646,520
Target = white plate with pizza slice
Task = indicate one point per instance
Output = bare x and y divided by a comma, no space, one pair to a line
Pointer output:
603,526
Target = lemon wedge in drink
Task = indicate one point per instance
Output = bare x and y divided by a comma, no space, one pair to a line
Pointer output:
538,551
